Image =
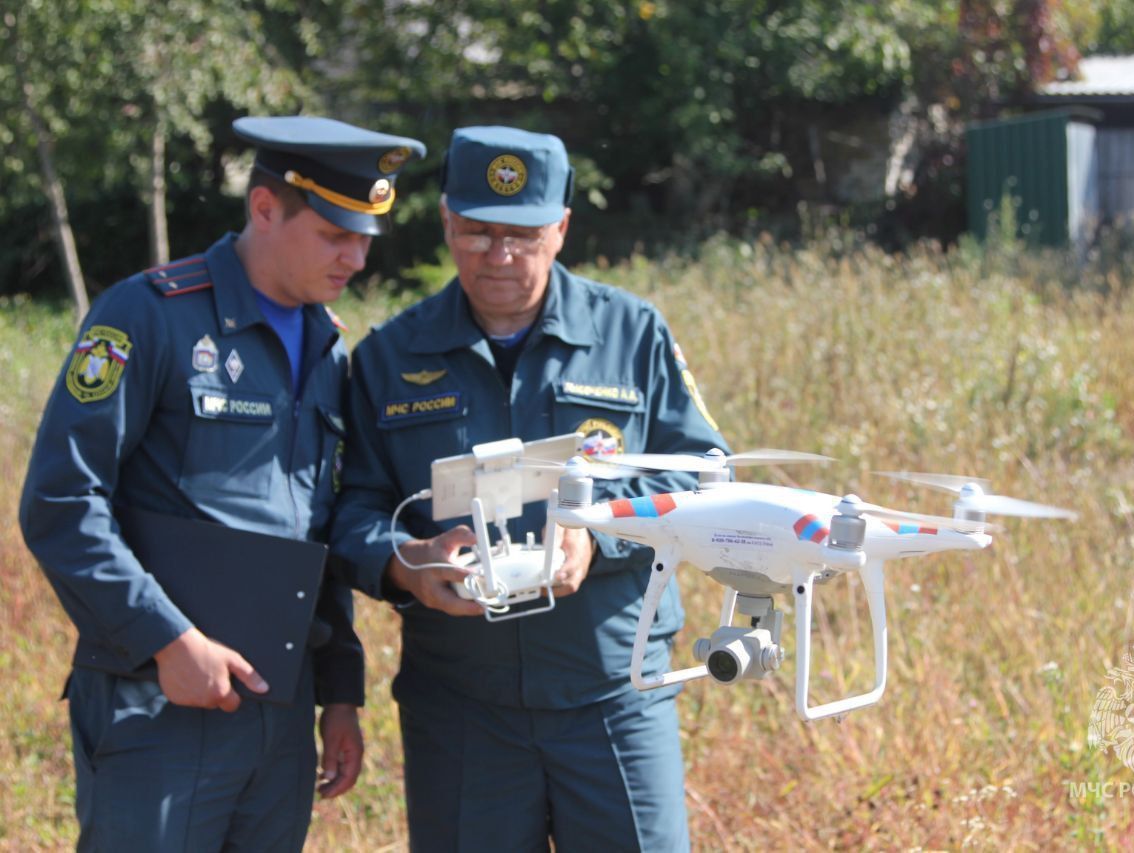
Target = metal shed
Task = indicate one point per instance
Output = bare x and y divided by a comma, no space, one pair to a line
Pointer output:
1046,164
1105,84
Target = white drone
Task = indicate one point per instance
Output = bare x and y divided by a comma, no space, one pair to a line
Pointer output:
492,484
759,540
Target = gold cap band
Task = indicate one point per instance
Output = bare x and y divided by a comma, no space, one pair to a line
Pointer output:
375,209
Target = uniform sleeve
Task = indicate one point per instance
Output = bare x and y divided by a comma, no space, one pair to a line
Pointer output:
363,535
340,666
95,417
677,422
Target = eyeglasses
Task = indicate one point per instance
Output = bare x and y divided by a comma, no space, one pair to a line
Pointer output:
514,246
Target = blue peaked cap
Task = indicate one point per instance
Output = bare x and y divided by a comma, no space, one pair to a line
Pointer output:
346,173
505,175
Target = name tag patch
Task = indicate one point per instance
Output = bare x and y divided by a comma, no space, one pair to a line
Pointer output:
615,393
210,404
445,403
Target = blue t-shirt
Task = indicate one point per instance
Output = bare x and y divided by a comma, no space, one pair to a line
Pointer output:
288,324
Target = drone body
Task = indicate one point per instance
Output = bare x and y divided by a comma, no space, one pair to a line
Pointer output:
754,537
760,540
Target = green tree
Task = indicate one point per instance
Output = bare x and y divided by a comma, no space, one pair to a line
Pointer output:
98,87
709,101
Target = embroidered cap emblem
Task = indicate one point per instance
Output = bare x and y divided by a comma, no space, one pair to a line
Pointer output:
393,160
507,175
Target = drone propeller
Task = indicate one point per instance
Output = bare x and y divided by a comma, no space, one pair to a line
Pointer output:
853,505
597,470
712,461
951,483
971,496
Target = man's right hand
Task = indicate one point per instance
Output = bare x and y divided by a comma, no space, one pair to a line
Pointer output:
196,671
431,586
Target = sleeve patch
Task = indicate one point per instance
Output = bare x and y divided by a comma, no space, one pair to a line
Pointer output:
698,401
98,363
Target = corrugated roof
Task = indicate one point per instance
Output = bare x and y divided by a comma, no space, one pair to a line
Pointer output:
1098,76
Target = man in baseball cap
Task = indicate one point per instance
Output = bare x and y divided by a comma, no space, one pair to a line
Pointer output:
521,729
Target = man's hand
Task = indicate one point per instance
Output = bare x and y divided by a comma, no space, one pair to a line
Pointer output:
196,671
342,750
577,549
431,586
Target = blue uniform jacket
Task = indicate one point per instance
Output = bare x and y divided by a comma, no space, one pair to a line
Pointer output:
424,386
156,421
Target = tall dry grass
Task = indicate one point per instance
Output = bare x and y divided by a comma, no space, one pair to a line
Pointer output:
994,362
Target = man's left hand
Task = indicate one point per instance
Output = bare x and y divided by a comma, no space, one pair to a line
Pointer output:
577,549
342,750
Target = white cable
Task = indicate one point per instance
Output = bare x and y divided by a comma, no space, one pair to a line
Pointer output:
475,585
494,605
424,494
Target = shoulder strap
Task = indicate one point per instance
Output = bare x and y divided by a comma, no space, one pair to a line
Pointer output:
184,276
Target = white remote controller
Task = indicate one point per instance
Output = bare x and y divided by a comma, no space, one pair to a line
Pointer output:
508,574
521,571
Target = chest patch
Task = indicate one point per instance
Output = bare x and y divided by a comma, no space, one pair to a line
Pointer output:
398,410
424,377
245,407
627,394
205,355
600,437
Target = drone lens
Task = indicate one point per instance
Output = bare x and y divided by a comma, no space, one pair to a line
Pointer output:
722,666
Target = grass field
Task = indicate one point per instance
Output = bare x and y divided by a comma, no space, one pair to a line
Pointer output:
1001,363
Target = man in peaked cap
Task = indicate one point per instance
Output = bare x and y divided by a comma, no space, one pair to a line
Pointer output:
516,731
212,389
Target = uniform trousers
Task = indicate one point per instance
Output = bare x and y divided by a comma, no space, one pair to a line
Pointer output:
481,777
154,776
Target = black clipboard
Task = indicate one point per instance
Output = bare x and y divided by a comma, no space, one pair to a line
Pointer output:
254,592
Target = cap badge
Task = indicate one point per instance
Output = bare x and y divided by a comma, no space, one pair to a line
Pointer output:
379,191
507,175
393,160
205,355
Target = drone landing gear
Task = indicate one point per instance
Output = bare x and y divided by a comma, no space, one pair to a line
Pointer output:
731,654
665,562
872,580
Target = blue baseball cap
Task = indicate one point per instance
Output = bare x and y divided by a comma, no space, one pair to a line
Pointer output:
505,175
346,173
